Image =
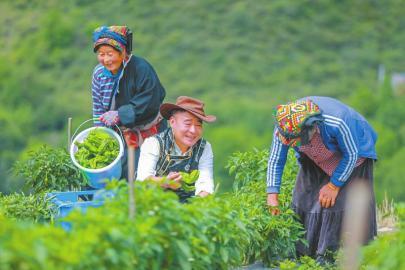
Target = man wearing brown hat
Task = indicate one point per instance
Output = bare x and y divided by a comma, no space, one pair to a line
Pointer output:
180,148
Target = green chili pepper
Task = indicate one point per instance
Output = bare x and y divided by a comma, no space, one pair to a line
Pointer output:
97,150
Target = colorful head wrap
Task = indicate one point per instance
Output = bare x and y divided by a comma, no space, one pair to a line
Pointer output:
115,36
292,118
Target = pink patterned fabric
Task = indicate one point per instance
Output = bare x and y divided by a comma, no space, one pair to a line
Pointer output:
323,157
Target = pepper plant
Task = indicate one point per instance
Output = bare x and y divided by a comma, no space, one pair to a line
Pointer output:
279,233
223,231
48,169
33,207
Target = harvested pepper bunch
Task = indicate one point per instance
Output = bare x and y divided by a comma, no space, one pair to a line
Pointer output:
188,180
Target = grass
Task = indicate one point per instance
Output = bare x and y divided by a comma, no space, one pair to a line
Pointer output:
386,217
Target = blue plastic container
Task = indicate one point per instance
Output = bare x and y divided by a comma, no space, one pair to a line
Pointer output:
98,177
67,201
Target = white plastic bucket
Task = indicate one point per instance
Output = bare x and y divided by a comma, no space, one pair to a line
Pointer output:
97,177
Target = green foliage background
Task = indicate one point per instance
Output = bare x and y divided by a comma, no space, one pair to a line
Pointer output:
241,57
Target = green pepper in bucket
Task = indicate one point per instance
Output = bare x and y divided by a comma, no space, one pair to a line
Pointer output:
97,152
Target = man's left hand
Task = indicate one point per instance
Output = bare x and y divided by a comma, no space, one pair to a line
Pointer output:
175,179
328,194
203,194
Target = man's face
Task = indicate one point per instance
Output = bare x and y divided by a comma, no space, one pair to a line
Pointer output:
110,58
187,129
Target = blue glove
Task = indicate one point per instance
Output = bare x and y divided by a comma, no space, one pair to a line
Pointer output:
110,118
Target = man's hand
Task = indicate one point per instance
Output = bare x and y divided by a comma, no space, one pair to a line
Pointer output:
272,203
110,118
176,178
328,194
203,194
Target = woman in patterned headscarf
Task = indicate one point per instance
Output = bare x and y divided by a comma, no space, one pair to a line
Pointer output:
126,90
335,146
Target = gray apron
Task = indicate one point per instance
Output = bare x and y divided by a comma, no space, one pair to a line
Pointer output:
323,225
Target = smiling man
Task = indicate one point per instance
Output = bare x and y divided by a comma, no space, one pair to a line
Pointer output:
180,148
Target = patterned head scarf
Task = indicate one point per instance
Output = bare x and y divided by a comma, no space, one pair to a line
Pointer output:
115,36
292,118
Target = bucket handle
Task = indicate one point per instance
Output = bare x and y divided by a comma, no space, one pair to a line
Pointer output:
92,119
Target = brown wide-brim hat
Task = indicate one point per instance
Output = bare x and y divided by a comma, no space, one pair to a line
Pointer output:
189,104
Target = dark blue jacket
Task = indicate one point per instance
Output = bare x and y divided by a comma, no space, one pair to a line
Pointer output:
140,93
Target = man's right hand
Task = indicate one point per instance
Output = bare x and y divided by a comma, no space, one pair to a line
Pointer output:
272,203
176,177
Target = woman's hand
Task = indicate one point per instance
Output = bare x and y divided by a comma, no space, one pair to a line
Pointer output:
272,203
110,118
328,194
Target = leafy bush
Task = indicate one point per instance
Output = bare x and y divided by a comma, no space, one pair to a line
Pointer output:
248,166
386,252
304,263
280,233
26,207
251,166
208,233
49,169
216,232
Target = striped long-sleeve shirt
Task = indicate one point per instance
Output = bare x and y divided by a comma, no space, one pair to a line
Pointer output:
343,130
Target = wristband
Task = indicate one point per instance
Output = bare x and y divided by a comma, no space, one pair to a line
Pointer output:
332,186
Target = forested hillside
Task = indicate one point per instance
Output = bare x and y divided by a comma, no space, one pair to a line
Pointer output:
241,57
